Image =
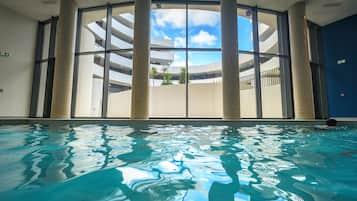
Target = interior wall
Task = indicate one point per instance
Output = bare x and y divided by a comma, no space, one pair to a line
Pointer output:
340,60
18,37
205,101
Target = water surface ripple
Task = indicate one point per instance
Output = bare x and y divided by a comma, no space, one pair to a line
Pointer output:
107,162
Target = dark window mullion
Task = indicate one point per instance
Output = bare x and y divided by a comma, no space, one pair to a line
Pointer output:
186,51
285,71
51,50
90,52
258,88
37,71
50,69
76,63
107,62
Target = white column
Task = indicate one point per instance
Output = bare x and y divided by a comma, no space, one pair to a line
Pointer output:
140,83
63,75
300,65
230,69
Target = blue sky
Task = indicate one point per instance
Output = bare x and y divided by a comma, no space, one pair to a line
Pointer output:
204,31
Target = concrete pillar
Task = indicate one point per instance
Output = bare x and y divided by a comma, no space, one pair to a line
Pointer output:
230,68
63,75
140,86
300,65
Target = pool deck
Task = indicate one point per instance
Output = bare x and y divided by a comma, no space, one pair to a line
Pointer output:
243,122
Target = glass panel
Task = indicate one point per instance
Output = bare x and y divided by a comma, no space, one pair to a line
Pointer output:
168,84
122,27
245,29
204,26
46,41
41,90
205,84
89,85
93,30
168,25
119,92
247,86
268,33
271,89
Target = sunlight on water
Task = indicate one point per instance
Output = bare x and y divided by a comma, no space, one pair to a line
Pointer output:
177,162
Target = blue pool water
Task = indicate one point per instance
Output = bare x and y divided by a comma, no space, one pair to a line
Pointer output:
177,162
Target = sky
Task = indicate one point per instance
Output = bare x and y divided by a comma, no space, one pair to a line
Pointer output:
204,31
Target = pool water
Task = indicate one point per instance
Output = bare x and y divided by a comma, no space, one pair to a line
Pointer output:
177,162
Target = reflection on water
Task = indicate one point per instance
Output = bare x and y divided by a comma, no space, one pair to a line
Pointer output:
176,162
231,165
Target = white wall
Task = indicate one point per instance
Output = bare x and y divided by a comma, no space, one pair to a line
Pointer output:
17,36
205,100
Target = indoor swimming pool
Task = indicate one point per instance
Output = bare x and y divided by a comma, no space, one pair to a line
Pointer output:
102,162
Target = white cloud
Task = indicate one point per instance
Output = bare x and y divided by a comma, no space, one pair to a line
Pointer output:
180,42
204,38
166,37
176,18
201,17
170,17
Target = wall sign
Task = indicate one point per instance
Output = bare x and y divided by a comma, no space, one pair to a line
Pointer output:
341,61
5,54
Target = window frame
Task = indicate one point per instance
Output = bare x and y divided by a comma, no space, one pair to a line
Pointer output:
108,50
39,60
284,55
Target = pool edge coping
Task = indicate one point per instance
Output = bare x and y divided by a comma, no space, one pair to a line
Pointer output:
7,121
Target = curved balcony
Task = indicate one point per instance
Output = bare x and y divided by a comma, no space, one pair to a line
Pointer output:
118,43
121,65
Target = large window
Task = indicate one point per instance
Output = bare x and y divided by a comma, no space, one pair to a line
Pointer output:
268,33
90,64
168,84
205,84
248,106
245,29
270,86
269,61
246,63
204,26
186,65
185,76
41,97
121,65
262,55
168,25
103,67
